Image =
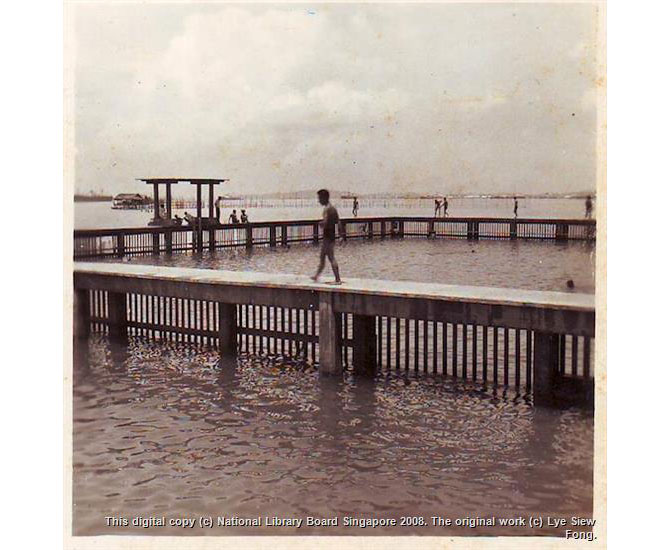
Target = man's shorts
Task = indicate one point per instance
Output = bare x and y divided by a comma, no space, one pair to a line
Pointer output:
328,247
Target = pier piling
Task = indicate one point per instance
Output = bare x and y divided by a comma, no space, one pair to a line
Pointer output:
330,336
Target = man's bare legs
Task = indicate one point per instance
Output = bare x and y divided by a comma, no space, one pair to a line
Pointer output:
328,250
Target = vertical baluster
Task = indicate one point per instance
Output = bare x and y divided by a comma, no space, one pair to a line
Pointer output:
529,355
496,334
397,343
587,357
388,343
444,348
517,358
506,358
575,354
416,345
406,323
464,357
454,349
485,353
474,352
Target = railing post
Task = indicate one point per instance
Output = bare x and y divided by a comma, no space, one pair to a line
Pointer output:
315,233
371,230
284,235
250,236
120,245
401,229
227,329
431,229
365,345
273,235
545,367
562,231
118,320
512,230
475,231
81,309
330,336
212,238
383,229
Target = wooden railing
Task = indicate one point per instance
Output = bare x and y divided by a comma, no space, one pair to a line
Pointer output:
511,339
98,243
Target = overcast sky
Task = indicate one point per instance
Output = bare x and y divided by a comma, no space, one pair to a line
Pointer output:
437,98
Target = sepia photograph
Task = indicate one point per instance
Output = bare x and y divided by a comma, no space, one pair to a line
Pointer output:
337,270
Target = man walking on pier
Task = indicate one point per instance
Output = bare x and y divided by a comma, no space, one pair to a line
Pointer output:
330,219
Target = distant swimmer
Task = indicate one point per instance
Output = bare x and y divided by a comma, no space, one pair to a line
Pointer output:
330,220
233,217
516,207
243,216
445,205
438,206
354,210
589,207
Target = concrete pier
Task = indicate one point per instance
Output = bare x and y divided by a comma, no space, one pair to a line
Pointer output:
464,315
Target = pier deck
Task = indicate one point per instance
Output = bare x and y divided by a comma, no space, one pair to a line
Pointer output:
507,337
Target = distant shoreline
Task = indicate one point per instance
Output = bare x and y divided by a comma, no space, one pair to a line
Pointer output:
92,198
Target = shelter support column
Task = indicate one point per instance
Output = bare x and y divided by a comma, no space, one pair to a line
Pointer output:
330,336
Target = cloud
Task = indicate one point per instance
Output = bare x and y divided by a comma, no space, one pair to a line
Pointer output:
469,97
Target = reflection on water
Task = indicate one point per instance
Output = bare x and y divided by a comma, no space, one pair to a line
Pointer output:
167,430
534,265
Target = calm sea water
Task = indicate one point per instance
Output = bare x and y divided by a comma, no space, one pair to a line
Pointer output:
95,215
170,431
533,265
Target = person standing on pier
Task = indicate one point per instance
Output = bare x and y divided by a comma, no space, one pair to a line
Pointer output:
438,205
233,217
354,211
243,216
589,208
445,205
330,219
516,207
218,204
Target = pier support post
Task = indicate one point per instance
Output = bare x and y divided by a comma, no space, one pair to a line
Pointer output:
371,230
227,329
81,308
383,230
284,236
156,243
512,230
562,231
431,229
330,336
473,231
168,241
401,229
120,246
118,318
365,345
273,236
545,367
343,229
250,236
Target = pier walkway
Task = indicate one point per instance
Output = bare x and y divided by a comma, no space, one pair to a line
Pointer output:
504,337
100,243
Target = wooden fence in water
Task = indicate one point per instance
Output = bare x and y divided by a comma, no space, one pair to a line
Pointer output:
512,339
99,243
